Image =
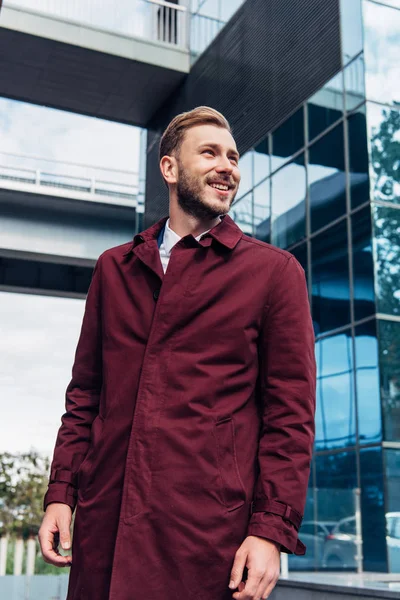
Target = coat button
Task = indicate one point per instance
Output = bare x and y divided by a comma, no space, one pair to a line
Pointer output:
156,293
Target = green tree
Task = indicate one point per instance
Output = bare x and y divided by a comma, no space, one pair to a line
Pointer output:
23,483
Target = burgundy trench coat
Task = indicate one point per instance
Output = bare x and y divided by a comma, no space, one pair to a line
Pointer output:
190,415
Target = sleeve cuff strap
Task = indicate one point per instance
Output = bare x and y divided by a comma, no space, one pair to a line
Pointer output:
277,508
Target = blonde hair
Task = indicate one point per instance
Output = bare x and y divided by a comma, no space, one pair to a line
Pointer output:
172,137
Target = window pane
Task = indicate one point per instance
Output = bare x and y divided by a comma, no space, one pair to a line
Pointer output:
325,107
262,167
389,346
384,132
262,211
301,254
363,267
335,416
330,279
242,213
326,179
352,28
288,203
354,81
358,157
373,510
310,536
246,173
392,468
367,381
287,139
337,500
381,31
387,259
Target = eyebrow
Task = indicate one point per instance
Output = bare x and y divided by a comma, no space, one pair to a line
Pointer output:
218,147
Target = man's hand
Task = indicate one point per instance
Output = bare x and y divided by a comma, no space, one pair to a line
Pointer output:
55,528
262,559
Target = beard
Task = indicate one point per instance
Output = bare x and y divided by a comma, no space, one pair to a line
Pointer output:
190,191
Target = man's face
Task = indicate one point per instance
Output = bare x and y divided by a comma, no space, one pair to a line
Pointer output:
208,172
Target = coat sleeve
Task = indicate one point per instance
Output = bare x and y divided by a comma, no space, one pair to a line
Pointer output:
287,387
82,403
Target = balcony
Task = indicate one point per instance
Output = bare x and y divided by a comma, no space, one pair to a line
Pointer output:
117,61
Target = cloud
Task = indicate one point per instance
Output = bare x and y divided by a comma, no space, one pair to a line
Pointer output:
37,346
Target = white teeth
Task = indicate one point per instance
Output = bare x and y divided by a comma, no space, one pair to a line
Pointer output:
219,186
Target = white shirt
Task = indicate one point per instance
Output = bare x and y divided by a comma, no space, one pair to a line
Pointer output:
170,239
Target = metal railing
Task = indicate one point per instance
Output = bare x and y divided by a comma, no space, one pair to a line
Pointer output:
157,20
98,182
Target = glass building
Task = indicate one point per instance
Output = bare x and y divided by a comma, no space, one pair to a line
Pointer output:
325,185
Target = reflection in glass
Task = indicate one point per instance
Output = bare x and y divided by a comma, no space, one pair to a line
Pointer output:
363,266
384,136
335,416
389,347
301,254
373,510
337,502
246,173
262,167
381,32
354,81
262,211
288,203
358,157
367,382
325,107
351,28
312,534
392,468
387,259
330,279
326,178
287,139
242,213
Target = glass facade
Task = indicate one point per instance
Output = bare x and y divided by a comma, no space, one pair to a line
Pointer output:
207,18
325,185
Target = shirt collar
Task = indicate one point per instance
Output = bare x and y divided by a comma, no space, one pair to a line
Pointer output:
226,233
171,238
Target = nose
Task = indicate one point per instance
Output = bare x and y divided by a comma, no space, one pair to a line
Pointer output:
224,165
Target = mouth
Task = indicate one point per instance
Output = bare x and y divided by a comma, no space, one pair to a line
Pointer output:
221,188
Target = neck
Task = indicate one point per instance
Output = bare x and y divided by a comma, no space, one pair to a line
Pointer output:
184,224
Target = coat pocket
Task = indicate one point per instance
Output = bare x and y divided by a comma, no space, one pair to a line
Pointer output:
85,474
233,493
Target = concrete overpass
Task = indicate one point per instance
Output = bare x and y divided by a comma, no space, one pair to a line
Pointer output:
94,69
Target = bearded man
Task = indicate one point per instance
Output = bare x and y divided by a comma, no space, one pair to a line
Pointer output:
189,424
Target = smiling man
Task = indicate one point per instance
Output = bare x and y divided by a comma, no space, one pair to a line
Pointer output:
189,423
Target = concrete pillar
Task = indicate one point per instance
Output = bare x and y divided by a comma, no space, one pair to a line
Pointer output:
30,556
18,556
3,554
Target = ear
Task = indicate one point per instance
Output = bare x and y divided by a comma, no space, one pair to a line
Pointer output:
169,169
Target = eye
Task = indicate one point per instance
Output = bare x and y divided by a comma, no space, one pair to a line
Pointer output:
208,151
234,160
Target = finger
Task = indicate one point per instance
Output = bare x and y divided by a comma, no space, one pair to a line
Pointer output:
51,554
237,570
65,535
270,587
251,586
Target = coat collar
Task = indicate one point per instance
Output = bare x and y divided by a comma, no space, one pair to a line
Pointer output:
226,233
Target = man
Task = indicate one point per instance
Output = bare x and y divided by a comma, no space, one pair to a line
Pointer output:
190,415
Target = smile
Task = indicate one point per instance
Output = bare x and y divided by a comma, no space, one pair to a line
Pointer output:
220,187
